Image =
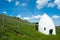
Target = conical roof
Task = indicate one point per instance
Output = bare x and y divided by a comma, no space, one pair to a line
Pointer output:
46,21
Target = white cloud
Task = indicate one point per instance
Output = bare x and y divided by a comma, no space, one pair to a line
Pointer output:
58,7
41,3
18,16
26,18
17,3
36,17
57,2
32,17
55,16
9,0
29,18
50,5
4,12
23,4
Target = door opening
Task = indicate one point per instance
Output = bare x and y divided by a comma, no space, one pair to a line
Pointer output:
50,31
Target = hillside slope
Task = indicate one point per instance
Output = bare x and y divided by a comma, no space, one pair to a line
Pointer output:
17,29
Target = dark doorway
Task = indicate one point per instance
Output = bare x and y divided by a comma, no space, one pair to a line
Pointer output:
50,31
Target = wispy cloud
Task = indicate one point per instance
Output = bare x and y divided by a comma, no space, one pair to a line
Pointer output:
41,3
32,18
58,7
57,2
4,12
17,3
18,16
26,18
51,5
23,4
9,0
36,17
55,16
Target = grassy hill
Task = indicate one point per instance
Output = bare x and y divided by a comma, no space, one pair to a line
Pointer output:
17,29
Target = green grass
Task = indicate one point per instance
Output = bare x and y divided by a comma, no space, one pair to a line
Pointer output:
26,30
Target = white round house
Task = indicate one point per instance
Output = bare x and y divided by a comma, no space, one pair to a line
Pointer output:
46,25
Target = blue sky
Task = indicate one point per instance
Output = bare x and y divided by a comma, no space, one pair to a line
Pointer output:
31,10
